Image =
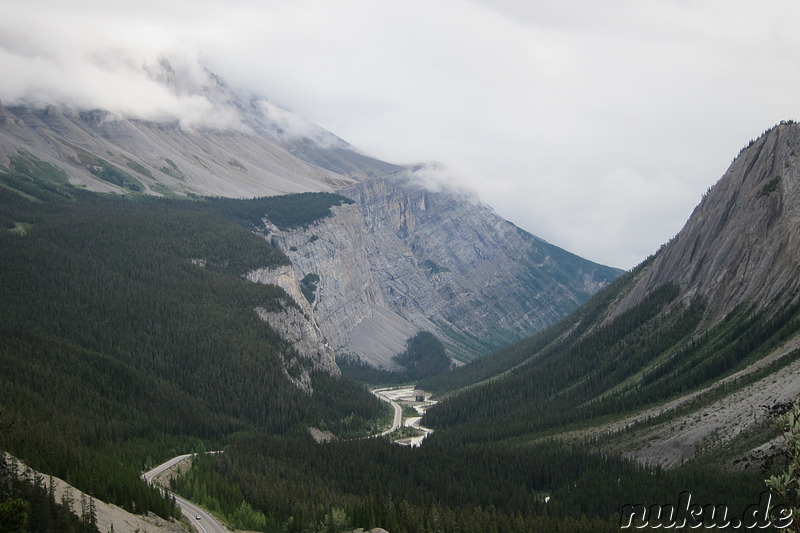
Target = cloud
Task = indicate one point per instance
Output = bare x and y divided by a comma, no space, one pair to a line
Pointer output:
594,125
107,69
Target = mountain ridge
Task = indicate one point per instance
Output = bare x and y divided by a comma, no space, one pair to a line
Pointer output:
718,256
250,147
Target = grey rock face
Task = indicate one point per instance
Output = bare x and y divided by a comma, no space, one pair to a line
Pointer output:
402,259
742,241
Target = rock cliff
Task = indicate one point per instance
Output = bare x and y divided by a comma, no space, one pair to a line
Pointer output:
404,258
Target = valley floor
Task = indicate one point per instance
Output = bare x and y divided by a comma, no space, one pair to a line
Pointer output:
407,396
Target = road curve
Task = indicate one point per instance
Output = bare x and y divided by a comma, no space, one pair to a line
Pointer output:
207,523
398,412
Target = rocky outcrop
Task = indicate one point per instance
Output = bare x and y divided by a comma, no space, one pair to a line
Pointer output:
347,301
312,351
404,258
740,247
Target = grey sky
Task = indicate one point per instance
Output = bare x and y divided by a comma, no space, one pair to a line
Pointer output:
595,125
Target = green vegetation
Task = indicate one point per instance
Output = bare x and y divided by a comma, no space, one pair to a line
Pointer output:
424,356
129,334
308,286
114,175
408,411
172,170
28,504
770,187
508,358
587,371
286,212
434,267
787,483
406,432
294,484
104,170
138,167
35,179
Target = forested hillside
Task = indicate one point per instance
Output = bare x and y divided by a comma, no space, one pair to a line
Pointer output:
646,356
681,357
294,484
127,332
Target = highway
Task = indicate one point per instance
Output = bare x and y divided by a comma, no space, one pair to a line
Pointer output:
398,411
206,523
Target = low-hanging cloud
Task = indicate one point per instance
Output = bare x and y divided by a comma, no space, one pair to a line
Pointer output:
595,126
59,65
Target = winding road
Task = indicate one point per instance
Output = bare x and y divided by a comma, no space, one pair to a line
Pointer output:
398,411
409,396
199,518
205,522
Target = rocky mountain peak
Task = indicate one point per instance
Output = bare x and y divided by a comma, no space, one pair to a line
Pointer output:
742,242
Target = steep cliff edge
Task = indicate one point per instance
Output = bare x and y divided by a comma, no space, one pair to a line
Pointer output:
403,258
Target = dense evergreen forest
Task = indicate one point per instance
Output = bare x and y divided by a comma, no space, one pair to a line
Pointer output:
584,370
294,484
128,333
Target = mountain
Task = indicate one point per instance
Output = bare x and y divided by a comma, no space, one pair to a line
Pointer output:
224,145
741,243
685,356
108,153
401,258
404,257
160,293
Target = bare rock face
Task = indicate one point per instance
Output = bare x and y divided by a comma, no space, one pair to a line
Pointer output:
742,242
313,353
403,258
347,301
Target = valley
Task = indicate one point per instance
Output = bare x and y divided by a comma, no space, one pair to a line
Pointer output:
541,391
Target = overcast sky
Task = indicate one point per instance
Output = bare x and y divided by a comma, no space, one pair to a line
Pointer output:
594,125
